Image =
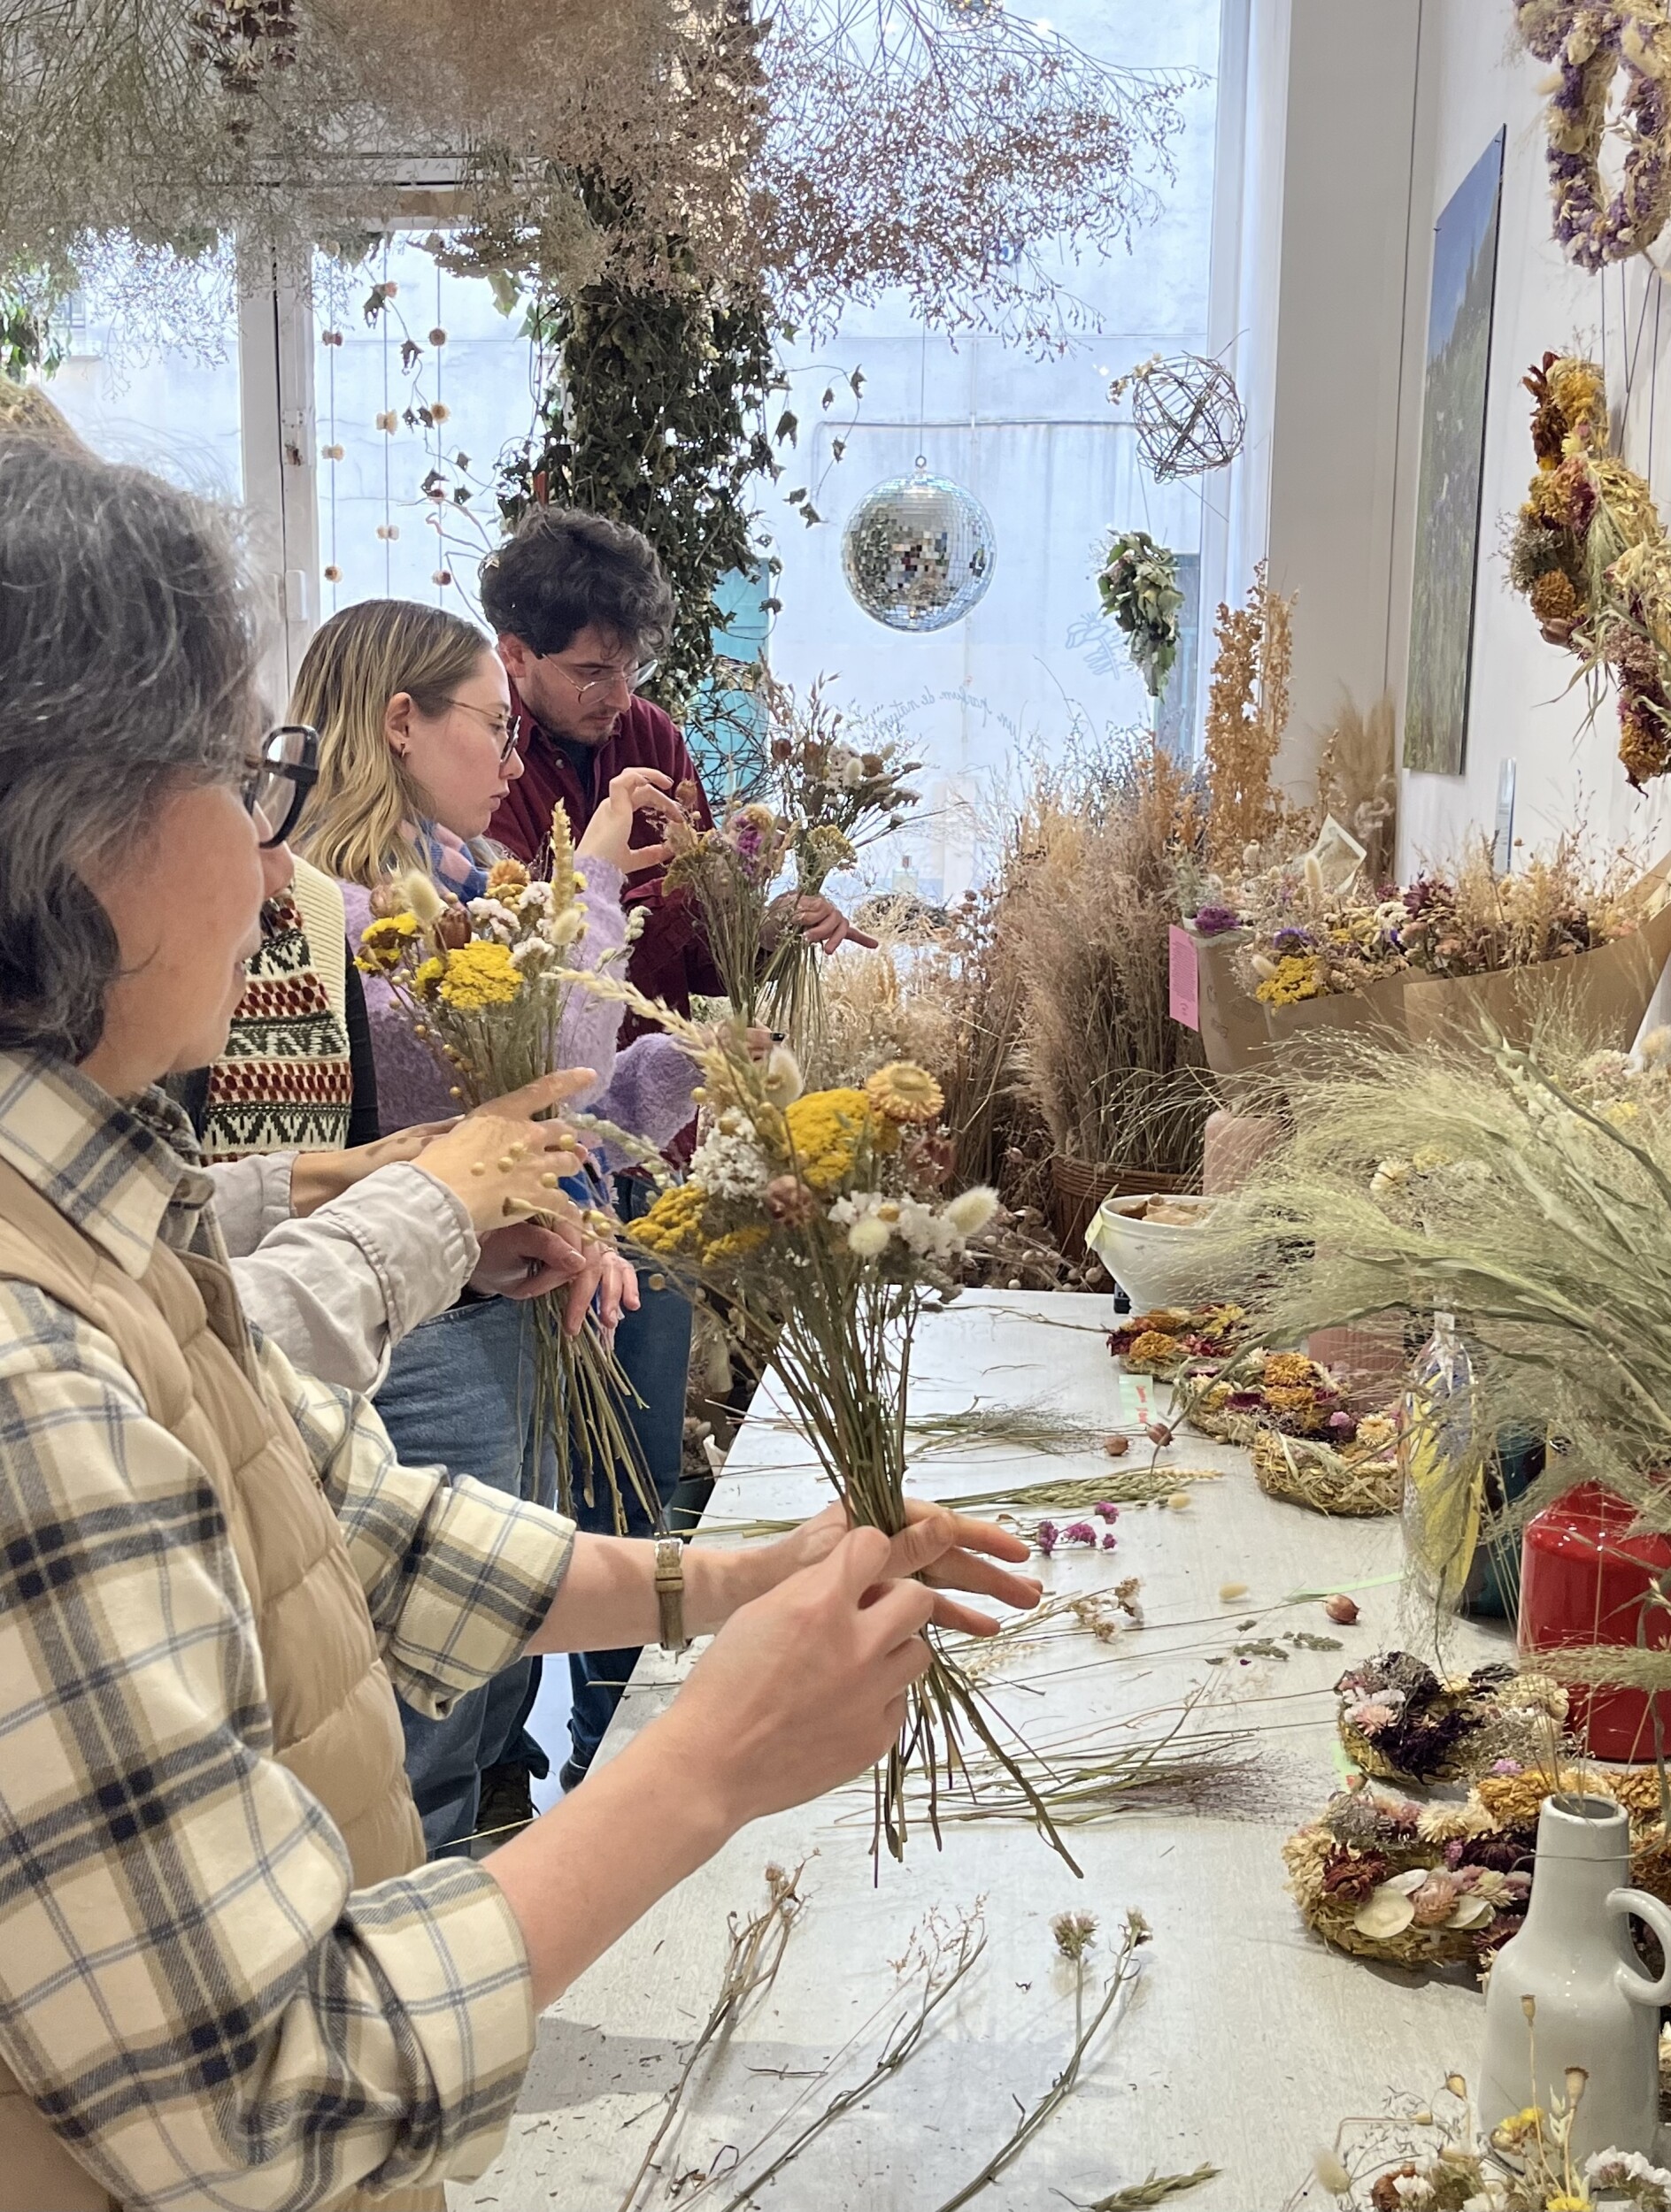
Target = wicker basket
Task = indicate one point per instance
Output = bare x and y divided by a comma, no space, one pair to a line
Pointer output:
1077,1189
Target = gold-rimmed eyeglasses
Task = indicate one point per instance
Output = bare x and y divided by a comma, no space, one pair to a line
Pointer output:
498,721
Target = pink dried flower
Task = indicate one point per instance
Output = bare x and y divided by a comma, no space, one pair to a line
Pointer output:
1107,1512
1079,1533
1109,1542
1045,1537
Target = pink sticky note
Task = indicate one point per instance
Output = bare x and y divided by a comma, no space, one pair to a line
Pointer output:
1183,977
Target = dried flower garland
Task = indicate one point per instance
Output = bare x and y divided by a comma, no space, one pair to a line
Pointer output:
1166,1341
1590,42
1280,1390
1138,587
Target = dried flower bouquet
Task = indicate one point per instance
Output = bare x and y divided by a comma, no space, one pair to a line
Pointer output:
822,1221
487,987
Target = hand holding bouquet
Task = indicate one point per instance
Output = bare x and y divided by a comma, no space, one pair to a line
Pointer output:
487,986
822,1221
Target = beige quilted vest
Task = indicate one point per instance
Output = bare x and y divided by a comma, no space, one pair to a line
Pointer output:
182,1337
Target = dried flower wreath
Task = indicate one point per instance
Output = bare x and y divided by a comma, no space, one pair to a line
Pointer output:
1589,44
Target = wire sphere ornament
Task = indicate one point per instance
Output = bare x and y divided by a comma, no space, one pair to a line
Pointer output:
919,551
1188,414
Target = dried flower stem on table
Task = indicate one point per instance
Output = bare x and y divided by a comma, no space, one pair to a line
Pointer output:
1074,1934
752,1958
944,1960
1155,2190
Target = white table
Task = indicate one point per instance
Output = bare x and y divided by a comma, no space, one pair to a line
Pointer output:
1246,2040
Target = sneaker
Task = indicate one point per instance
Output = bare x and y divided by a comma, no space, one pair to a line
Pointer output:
505,1807
571,1774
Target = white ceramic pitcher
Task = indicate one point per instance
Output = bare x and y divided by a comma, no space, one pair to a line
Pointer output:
1595,2006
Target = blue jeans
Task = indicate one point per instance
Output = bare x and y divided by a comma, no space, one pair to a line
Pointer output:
653,1345
460,1393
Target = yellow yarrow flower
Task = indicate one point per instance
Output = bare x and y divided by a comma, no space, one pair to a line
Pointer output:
674,1224
480,975
1297,976
736,1245
826,1129
383,942
426,979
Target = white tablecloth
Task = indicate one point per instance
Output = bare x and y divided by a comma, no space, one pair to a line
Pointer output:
1246,2042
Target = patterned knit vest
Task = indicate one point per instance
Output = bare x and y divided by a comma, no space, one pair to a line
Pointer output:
284,1083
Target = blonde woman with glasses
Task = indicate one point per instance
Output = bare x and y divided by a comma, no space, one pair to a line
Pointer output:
415,751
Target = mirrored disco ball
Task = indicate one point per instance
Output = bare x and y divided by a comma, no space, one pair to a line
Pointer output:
919,551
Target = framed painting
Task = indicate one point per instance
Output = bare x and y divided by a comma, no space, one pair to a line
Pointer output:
1447,543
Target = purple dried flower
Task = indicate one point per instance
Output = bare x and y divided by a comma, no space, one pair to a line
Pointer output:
1506,1766
1212,921
1079,1533
1110,1542
1292,941
1105,1511
1045,1537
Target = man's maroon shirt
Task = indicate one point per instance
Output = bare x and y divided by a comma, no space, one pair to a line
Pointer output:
670,960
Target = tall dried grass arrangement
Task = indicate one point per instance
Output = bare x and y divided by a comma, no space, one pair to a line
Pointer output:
1084,917
1247,714
1357,783
953,1003
1528,1193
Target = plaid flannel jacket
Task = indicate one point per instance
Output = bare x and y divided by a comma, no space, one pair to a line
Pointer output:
198,2000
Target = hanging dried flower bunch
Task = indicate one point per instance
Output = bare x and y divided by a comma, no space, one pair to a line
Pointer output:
179,125
948,151
839,148
1247,713
242,40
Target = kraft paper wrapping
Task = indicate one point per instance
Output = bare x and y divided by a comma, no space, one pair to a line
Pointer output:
1604,995
1234,1033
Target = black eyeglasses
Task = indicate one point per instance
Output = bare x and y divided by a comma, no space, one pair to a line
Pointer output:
285,769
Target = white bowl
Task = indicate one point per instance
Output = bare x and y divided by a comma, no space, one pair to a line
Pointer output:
1153,1262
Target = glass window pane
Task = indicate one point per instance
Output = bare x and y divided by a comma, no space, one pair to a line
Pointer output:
414,406
151,373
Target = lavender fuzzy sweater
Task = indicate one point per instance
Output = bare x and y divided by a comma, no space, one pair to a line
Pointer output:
646,1089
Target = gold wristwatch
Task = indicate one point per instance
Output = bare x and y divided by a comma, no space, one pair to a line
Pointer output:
670,1592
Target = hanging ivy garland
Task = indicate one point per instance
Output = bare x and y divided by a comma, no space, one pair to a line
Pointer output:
1589,45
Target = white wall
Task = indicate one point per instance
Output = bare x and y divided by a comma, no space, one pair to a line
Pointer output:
1471,82
1311,283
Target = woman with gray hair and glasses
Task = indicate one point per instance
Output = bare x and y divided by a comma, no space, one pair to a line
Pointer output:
225,1976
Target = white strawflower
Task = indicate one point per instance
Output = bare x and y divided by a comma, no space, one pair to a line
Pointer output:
970,1211
497,918
925,1233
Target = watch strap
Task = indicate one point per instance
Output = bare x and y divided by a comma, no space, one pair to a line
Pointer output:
670,1592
